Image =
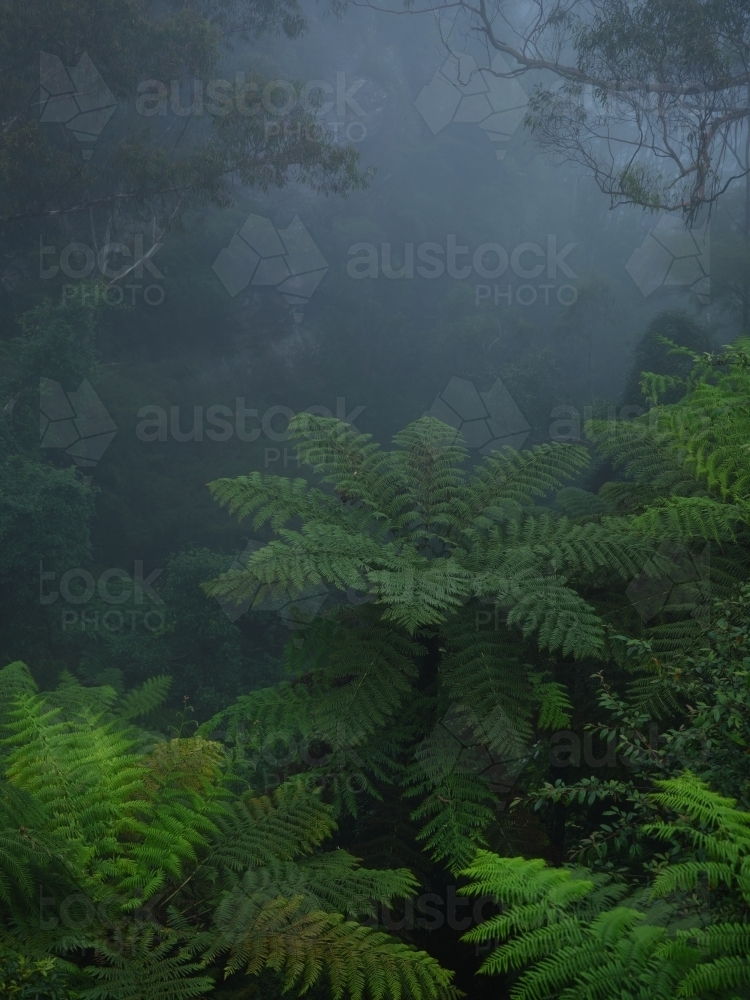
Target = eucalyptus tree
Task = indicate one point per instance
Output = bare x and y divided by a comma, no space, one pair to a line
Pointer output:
651,97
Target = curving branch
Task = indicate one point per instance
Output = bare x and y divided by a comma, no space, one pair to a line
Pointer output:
645,95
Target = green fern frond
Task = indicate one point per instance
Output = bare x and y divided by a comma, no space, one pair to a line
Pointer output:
559,617
654,385
719,978
148,697
333,882
356,960
152,966
555,705
455,810
76,700
351,461
15,679
681,518
579,504
521,476
563,947
647,452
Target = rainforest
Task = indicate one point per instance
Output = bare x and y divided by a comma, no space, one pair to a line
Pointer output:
375,499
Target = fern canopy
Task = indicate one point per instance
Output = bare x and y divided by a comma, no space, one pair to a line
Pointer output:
575,934
148,859
464,576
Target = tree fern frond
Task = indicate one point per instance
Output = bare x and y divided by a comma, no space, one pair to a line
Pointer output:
15,679
289,823
456,808
153,966
682,518
351,461
520,476
716,978
333,882
560,618
148,697
355,959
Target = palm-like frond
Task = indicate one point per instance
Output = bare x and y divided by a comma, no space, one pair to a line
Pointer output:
426,542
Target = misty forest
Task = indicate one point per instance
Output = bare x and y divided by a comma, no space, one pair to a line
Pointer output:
375,499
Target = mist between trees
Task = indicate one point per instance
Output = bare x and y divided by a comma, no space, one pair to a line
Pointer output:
374,399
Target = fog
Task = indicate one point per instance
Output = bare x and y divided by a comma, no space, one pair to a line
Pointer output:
374,438
463,258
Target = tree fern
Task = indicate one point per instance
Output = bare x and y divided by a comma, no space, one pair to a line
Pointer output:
574,934
149,963
184,879
407,525
357,961
436,550
689,463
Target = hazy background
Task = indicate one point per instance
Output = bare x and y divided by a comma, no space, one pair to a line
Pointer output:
377,350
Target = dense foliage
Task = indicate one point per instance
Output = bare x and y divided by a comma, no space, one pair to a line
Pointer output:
150,866
451,675
358,720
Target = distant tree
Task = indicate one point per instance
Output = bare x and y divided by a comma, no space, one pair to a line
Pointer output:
730,265
651,96
147,145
